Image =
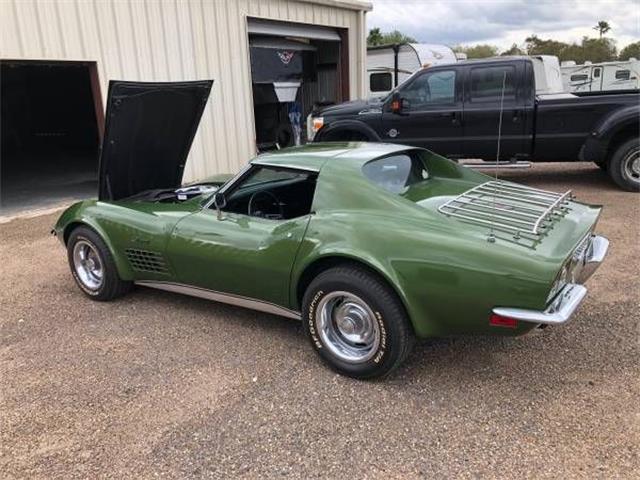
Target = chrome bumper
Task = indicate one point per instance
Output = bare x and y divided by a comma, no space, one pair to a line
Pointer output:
592,258
571,295
558,312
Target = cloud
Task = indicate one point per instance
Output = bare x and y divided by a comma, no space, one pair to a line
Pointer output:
504,22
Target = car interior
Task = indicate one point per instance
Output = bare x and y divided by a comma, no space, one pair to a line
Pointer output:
273,193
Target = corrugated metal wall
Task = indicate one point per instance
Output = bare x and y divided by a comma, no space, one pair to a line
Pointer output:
170,40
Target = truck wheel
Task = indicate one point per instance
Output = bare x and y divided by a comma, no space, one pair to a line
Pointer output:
624,165
92,266
356,323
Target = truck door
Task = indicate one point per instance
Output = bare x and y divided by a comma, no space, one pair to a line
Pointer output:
431,116
482,96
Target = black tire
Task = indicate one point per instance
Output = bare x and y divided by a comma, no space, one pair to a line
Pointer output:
624,165
111,285
396,335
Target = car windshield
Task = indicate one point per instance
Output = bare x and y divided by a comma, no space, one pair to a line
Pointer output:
396,173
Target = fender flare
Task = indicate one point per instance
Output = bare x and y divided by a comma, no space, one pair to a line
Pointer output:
349,256
124,270
352,125
616,121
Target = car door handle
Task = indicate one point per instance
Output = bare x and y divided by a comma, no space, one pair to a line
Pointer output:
516,116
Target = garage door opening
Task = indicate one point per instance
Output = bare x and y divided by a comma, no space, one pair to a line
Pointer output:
51,122
294,69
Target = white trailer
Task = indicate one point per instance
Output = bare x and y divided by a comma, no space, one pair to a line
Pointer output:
390,65
597,77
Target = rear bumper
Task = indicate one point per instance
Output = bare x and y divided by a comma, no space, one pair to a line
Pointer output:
560,310
569,298
592,257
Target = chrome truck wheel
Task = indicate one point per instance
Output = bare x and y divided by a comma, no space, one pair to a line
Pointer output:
632,165
624,165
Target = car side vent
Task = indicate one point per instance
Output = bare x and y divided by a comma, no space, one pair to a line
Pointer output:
145,261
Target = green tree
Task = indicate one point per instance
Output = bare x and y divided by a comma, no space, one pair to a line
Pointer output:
477,51
631,50
535,45
602,27
375,37
591,49
514,50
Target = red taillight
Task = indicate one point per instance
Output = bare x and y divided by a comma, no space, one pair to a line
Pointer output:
500,321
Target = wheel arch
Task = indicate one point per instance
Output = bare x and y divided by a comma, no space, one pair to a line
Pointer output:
625,132
325,262
124,271
325,134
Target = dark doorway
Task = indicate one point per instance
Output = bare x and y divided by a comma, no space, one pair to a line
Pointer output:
51,122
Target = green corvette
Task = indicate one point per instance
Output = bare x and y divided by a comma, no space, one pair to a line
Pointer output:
371,245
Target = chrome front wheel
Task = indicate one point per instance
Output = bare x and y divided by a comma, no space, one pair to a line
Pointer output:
88,265
348,327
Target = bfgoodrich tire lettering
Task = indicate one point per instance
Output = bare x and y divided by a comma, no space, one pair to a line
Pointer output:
367,334
108,285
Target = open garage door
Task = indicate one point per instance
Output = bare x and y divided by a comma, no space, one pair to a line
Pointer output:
294,68
51,122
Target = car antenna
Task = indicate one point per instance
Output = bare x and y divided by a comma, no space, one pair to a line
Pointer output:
492,237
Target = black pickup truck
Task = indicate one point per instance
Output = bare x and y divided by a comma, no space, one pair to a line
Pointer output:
454,111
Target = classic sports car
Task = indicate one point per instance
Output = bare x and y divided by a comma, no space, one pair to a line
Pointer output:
370,244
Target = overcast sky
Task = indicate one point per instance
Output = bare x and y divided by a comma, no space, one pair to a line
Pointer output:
504,22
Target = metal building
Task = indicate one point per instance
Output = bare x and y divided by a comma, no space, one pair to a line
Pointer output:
59,55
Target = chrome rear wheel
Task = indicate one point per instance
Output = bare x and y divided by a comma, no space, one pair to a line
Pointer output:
348,327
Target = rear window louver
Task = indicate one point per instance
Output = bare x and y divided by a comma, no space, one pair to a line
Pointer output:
145,261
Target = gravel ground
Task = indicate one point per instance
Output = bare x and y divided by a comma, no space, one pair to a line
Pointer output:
161,385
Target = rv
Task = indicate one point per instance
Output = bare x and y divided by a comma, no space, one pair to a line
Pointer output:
598,77
390,65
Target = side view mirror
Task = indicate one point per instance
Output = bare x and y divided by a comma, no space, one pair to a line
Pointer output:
220,202
399,104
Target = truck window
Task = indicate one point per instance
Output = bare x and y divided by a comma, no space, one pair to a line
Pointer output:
623,74
596,73
486,83
380,82
579,78
435,88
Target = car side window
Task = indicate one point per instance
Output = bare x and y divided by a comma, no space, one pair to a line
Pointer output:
486,83
430,89
270,192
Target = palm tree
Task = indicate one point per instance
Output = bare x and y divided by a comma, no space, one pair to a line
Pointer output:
602,27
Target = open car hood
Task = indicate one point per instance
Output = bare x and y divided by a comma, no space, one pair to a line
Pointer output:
148,133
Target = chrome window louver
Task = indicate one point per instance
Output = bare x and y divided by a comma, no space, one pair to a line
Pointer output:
508,207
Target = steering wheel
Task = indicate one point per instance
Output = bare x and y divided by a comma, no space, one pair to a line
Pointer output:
252,211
